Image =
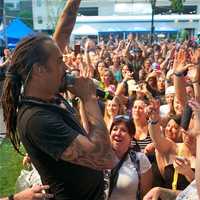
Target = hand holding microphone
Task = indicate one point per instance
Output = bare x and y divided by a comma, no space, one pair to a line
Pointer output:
83,87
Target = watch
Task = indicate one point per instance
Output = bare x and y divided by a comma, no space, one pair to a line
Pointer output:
153,122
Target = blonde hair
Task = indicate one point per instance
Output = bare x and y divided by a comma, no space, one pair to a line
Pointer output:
121,110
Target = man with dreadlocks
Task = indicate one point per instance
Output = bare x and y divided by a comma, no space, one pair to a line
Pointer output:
67,159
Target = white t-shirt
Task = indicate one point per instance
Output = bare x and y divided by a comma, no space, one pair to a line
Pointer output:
190,193
127,183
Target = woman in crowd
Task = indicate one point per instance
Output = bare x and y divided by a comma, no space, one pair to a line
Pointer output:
176,161
172,130
112,108
108,81
141,134
132,177
193,190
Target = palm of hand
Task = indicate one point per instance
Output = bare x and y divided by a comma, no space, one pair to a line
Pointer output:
179,62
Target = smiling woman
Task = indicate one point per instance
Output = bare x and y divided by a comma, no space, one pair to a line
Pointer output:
132,177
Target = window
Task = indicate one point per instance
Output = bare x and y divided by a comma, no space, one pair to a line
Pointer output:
40,21
89,11
39,3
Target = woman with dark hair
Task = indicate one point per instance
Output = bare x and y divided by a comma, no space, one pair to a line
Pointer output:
132,177
172,130
176,161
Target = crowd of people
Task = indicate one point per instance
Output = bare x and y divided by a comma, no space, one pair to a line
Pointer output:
134,141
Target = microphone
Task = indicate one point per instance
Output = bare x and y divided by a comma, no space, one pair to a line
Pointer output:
69,80
103,94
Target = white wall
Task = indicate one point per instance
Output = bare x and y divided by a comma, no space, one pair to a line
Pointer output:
50,10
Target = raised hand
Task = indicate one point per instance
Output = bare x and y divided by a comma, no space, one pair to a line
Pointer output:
193,72
195,56
179,65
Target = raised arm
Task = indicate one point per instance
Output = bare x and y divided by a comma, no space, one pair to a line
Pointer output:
90,69
180,67
126,53
195,72
93,150
162,144
66,23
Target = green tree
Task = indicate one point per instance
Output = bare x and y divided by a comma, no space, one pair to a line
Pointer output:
177,5
26,17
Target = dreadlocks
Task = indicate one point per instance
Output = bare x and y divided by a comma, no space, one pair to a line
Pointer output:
29,51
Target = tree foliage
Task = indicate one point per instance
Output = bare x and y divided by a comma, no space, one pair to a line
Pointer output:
177,5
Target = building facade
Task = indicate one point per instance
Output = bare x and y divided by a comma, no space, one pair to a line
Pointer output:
120,15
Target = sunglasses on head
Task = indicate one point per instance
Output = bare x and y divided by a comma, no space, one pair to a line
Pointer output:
122,117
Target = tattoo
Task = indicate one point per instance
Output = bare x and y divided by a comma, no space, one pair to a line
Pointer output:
99,155
97,158
66,23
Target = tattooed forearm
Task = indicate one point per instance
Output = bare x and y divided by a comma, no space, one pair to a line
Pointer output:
66,23
95,151
97,158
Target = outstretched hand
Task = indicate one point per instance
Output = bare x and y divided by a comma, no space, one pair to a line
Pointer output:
37,192
179,64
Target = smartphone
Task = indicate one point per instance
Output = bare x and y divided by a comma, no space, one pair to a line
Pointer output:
180,158
77,49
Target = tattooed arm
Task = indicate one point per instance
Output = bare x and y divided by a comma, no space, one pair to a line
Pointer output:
94,150
66,23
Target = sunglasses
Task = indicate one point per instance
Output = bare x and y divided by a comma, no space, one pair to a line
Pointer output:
125,118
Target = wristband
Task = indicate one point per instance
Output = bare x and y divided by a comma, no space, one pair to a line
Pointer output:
153,122
179,74
168,81
11,197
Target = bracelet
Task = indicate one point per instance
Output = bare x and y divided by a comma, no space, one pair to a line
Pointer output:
179,74
11,197
153,122
168,81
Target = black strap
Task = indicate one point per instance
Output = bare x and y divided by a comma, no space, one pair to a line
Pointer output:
136,163
115,173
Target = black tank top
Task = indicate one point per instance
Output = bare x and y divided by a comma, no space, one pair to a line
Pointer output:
182,182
